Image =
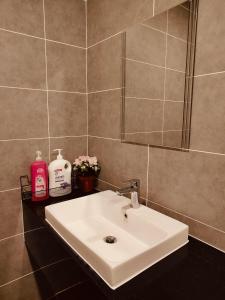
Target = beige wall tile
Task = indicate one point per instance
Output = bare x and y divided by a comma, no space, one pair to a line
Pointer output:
162,5
208,234
210,55
27,287
22,16
17,157
208,111
176,54
66,68
173,115
172,139
22,61
11,214
189,182
65,21
120,161
158,22
14,259
18,258
110,17
72,147
67,114
175,85
153,138
178,18
144,81
143,115
24,114
105,65
104,114
146,44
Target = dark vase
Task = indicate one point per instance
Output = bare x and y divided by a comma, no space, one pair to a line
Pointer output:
87,183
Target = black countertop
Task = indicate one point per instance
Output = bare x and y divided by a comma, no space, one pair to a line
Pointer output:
195,271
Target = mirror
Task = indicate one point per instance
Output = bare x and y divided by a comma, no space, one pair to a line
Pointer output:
158,69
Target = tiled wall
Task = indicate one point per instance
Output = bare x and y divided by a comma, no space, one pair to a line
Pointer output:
155,61
43,105
187,185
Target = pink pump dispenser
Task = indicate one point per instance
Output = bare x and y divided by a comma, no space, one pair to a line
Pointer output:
39,179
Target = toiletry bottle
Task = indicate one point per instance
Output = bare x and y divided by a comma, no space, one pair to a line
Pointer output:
39,179
59,176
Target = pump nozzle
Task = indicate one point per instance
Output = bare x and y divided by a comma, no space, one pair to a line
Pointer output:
38,153
59,156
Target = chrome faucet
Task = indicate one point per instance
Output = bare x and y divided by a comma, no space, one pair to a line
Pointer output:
134,189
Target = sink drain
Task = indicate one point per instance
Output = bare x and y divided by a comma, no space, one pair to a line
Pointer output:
110,239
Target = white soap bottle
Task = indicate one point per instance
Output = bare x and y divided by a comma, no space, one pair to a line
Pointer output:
59,176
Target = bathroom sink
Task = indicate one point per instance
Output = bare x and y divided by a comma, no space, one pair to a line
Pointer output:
118,242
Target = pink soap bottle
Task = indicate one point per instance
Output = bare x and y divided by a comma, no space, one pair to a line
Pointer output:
39,179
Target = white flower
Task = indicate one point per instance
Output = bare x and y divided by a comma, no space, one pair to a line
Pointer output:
83,158
93,161
77,162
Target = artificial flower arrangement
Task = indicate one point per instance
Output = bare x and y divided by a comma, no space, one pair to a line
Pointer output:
86,169
86,166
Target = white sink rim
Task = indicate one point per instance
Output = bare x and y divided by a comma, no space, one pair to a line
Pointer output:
176,242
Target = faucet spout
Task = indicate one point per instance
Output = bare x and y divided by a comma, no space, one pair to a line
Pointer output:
134,190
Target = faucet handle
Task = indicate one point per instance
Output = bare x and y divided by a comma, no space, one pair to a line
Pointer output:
133,182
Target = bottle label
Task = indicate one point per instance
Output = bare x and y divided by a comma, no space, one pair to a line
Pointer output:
59,176
40,186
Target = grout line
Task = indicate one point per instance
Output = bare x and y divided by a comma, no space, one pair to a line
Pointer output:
70,45
107,90
21,233
9,190
145,63
108,183
188,217
163,32
41,90
69,287
184,7
106,39
39,269
153,28
100,137
67,136
44,138
41,38
205,152
68,92
153,65
147,176
209,74
105,138
20,33
24,139
46,82
149,99
164,85
177,38
22,88
11,236
154,131
153,7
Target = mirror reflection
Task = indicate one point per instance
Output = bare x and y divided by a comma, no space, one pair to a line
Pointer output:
158,61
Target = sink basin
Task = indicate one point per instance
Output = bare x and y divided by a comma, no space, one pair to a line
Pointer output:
117,247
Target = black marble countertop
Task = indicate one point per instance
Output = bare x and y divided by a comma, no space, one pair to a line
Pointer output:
195,271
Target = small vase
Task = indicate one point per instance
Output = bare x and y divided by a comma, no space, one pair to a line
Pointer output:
87,183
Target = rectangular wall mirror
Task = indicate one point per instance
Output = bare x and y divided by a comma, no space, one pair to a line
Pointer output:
158,72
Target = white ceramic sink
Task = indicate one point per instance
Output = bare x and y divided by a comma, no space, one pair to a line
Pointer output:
143,238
